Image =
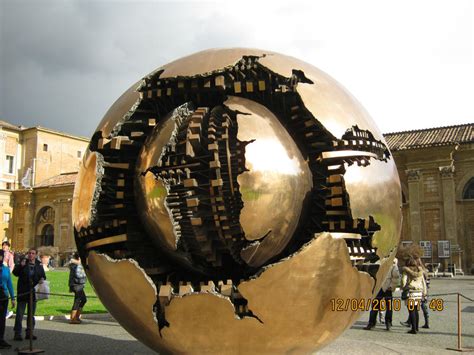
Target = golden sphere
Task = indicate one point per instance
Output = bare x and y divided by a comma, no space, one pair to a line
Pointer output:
230,200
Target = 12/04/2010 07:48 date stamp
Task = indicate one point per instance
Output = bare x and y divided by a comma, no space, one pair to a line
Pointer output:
367,304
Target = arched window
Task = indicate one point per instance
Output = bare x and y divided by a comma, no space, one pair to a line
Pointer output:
46,215
47,235
468,193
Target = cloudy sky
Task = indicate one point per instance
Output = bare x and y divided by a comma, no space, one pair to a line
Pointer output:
63,63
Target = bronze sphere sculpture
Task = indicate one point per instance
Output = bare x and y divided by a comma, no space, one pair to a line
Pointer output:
226,199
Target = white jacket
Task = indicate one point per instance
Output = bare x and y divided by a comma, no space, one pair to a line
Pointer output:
414,281
392,279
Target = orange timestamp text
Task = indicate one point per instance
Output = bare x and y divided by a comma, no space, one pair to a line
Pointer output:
376,304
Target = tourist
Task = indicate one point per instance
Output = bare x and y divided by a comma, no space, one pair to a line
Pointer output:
424,300
5,290
8,260
30,272
8,255
77,281
414,284
384,299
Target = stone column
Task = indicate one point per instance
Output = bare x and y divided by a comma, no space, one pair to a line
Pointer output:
57,221
449,202
449,208
414,204
30,227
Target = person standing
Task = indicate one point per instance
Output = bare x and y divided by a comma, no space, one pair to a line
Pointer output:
424,300
5,290
385,294
77,281
30,272
413,281
9,261
8,255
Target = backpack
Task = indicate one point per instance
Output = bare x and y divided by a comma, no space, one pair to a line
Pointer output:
79,275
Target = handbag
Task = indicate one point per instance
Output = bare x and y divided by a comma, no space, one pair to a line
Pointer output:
42,291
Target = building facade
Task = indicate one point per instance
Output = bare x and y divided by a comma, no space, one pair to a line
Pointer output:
436,169
36,186
10,150
42,215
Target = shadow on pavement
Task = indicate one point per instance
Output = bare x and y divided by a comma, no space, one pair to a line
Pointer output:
76,339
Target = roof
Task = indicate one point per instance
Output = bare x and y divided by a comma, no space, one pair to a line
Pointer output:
10,126
53,131
431,137
42,129
58,180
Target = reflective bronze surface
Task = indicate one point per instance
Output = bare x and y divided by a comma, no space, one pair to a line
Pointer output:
206,61
368,185
83,198
328,101
120,284
152,192
277,175
120,110
289,298
227,198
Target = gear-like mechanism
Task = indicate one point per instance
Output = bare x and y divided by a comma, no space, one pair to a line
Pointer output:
198,169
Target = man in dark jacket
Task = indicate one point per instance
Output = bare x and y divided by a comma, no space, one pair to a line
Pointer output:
30,272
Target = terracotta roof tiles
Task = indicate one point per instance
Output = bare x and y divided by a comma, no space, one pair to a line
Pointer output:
63,179
430,137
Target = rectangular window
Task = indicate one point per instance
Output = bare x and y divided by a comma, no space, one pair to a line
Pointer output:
10,160
6,217
20,230
426,248
45,147
79,154
9,185
444,249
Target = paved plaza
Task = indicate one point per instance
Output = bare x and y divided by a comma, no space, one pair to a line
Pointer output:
101,334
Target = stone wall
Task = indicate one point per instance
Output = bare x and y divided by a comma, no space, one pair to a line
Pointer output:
433,180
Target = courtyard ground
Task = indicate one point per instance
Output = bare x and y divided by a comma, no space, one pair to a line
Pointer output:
101,334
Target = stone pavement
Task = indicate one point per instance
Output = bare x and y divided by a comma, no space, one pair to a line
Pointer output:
100,334
441,335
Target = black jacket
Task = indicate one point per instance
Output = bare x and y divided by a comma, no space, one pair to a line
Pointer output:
24,282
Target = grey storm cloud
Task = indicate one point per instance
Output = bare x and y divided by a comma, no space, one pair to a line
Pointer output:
64,63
